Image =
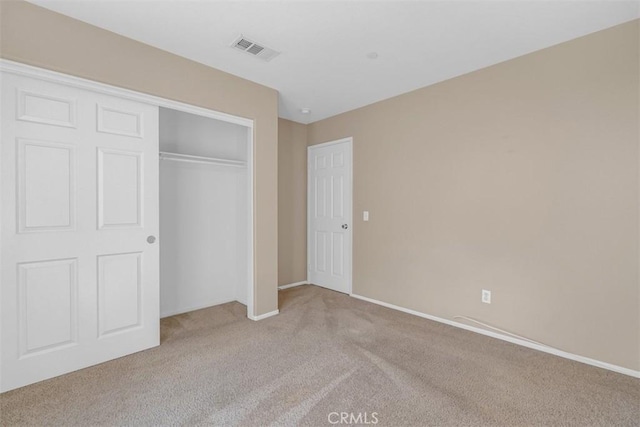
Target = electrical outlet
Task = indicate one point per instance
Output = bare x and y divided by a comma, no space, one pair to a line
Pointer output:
486,296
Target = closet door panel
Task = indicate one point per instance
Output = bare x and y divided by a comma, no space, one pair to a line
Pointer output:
48,295
119,292
46,186
45,108
118,121
80,283
120,197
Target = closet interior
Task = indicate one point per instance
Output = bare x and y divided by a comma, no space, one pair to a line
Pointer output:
204,212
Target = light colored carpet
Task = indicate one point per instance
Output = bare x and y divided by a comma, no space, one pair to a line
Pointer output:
327,352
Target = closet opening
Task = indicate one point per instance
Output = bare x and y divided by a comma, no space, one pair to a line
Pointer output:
206,248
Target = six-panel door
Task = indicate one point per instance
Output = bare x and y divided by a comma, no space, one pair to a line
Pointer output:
79,282
329,204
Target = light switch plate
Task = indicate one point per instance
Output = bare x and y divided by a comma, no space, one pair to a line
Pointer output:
486,296
365,216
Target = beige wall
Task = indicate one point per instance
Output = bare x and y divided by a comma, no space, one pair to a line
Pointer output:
521,178
292,205
36,36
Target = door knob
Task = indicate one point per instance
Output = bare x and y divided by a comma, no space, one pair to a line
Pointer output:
151,239
345,226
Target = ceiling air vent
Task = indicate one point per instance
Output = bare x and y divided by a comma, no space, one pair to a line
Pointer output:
254,49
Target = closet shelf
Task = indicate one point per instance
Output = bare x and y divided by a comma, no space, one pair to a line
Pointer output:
165,155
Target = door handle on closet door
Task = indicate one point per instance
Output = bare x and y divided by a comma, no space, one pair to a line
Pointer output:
151,239
345,226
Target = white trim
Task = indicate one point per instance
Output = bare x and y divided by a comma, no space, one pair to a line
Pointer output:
196,307
349,142
251,278
292,285
78,82
43,74
326,144
264,316
543,348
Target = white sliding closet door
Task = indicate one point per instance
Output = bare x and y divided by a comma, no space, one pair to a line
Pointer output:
79,282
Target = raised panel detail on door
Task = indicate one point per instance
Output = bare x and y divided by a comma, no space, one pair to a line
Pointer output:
119,189
119,292
321,196
47,293
118,122
321,251
46,186
321,162
337,252
337,194
337,160
46,109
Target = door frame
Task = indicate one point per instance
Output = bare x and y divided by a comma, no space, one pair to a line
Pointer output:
349,144
17,68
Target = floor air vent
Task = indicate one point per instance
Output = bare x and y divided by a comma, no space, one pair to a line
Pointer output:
254,49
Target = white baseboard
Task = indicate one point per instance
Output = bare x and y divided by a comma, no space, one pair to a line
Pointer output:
292,285
264,316
550,350
195,307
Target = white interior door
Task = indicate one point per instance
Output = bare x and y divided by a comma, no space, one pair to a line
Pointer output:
79,281
329,215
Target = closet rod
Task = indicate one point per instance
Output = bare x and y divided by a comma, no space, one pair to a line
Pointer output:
165,155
